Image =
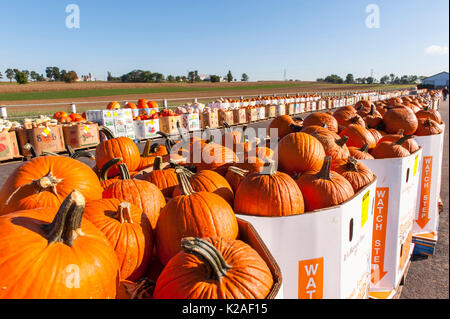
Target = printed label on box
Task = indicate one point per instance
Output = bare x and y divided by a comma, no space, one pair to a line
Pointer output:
310,279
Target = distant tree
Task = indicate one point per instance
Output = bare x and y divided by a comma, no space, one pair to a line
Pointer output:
360,80
370,80
178,78
170,78
214,78
1,75
53,72
384,79
392,78
20,77
9,74
109,77
229,76
70,77
191,76
349,78
319,80
62,75
34,76
244,77
412,79
333,78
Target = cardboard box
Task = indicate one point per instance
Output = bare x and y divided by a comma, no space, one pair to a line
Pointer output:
50,139
249,235
226,116
14,144
6,147
290,109
144,111
168,124
190,121
146,129
395,206
270,111
251,114
81,135
239,116
280,109
261,113
324,254
426,218
209,119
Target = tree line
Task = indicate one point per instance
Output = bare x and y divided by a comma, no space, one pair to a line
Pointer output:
53,74
156,77
386,79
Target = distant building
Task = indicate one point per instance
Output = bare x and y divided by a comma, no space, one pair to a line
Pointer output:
86,78
438,80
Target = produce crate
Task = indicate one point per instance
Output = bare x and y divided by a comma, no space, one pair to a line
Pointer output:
426,219
323,254
81,135
395,205
209,119
146,129
226,116
45,138
6,146
251,114
270,111
168,124
239,116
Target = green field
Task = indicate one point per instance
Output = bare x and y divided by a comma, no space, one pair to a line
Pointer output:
67,94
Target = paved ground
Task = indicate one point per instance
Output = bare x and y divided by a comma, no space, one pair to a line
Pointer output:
427,278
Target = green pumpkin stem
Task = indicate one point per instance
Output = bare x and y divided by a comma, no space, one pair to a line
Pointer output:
147,148
365,148
157,164
69,150
103,175
325,171
107,132
83,153
213,259
65,227
404,139
341,142
124,172
295,127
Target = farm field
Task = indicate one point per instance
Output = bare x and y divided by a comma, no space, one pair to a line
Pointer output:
52,97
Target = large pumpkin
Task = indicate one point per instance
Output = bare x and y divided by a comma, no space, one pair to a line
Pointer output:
282,124
387,149
320,119
358,136
235,176
400,118
128,230
45,181
144,194
299,152
358,174
360,153
54,253
214,268
427,126
199,214
120,147
324,188
268,193
430,113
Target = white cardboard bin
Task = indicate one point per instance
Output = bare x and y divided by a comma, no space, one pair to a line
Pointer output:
324,254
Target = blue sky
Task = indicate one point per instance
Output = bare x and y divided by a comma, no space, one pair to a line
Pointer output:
310,39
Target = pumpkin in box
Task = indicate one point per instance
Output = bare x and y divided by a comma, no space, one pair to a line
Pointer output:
214,268
113,106
192,213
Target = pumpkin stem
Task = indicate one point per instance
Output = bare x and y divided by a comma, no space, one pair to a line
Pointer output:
325,171
46,153
372,109
227,126
30,148
65,227
239,171
69,150
157,163
351,164
341,142
182,134
124,172
365,148
404,139
106,167
183,181
268,168
83,153
123,213
295,127
400,132
147,147
214,260
107,132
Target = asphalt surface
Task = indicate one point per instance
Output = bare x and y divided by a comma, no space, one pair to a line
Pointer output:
428,278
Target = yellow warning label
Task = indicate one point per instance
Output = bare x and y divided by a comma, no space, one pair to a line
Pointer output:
416,162
365,208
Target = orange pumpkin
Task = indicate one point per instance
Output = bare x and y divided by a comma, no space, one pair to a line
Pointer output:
113,106
358,174
55,253
165,179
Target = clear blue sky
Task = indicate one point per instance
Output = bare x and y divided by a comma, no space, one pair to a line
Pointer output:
310,39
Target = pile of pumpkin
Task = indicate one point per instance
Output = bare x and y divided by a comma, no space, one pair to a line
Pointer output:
141,104
64,117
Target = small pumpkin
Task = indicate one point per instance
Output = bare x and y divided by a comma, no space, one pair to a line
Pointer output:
268,193
214,268
387,149
235,176
324,188
427,127
360,153
430,113
165,179
358,174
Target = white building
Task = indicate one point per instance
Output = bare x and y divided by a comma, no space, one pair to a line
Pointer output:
438,80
